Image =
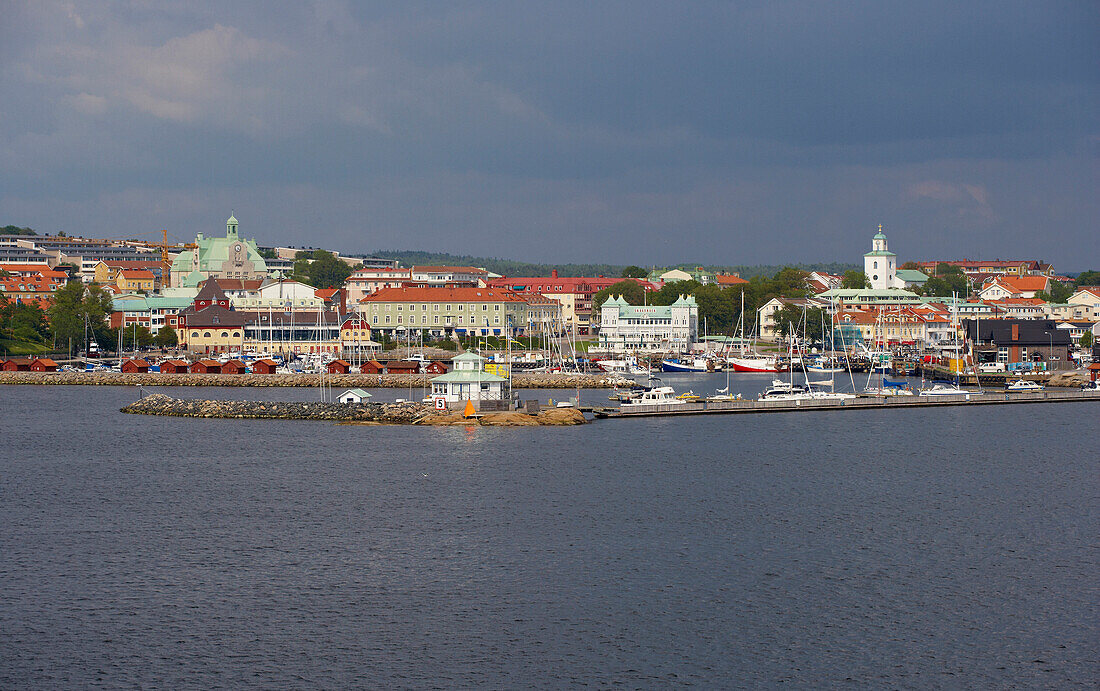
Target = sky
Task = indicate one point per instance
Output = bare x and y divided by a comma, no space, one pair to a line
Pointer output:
716,133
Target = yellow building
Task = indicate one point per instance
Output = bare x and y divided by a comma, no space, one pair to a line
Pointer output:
132,280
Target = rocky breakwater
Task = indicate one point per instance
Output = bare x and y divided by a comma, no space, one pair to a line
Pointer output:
362,413
523,380
1073,377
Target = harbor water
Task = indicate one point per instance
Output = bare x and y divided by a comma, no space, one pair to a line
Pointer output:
885,548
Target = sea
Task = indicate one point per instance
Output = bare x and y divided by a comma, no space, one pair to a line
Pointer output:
916,548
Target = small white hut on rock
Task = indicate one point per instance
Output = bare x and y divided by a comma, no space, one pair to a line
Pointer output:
467,381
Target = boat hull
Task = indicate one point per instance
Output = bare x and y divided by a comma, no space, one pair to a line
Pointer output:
753,364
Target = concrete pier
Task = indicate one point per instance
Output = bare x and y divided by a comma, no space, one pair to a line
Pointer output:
988,397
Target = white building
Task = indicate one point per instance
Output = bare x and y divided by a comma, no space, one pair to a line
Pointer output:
881,265
281,294
625,327
467,381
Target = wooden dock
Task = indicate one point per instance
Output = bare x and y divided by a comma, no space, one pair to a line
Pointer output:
988,397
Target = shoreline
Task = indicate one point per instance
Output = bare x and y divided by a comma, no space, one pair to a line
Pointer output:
373,381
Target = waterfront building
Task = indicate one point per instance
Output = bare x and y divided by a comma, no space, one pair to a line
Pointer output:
229,257
666,328
1020,344
154,312
450,275
353,396
440,312
467,381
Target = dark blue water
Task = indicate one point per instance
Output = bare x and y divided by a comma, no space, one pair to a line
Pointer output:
887,548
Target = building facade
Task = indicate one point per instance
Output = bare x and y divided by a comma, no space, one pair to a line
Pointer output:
228,257
625,327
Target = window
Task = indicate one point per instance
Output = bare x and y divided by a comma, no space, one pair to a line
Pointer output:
206,334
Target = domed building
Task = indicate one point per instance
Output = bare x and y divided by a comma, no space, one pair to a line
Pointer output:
229,257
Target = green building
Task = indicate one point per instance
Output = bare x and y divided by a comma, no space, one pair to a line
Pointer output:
230,257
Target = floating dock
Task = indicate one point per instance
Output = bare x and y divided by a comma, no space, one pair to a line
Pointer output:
988,397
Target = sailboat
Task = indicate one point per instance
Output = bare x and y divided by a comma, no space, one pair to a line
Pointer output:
947,388
750,361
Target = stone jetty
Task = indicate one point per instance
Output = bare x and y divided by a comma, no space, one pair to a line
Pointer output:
362,413
521,380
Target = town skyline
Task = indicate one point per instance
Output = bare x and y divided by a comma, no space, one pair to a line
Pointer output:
645,134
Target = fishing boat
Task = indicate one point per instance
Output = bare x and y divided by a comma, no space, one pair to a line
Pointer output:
678,365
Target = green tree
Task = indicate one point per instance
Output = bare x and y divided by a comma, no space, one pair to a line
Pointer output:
631,291
1087,278
634,272
74,305
166,337
791,320
320,269
1086,340
1059,292
946,279
854,279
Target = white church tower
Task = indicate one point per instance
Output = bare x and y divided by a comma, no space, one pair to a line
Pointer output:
880,264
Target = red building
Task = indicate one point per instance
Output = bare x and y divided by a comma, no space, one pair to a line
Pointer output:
206,367
43,365
371,367
18,364
264,367
174,367
339,367
234,367
133,366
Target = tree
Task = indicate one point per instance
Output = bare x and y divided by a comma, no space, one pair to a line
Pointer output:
1087,278
854,279
320,269
634,272
793,320
630,290
166,338
73,306
947,279
1059,292
1086,340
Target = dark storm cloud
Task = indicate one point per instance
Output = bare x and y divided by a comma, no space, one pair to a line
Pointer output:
633,132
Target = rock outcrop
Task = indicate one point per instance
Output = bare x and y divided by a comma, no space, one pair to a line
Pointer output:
1072,377
364,413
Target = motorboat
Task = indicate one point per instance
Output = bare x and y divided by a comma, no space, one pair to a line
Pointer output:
785,391
689,396
1024,385
946,389
658,395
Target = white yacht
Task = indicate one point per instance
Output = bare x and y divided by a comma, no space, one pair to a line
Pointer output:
658,395
946,389
1023,385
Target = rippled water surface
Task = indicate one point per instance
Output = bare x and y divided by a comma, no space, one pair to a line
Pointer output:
914,548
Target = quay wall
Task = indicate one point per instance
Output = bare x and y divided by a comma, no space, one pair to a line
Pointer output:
520,380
